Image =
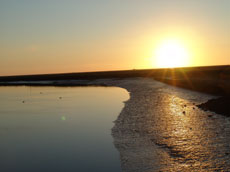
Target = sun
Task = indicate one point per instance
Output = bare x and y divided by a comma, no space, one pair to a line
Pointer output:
171,53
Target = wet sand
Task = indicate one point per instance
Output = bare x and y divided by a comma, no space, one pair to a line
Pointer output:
161,129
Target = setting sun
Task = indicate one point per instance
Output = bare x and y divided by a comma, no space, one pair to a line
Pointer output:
171,53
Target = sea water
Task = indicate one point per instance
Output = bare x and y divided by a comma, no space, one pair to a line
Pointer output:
59,128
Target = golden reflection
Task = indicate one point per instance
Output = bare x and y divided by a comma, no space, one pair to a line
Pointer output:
166,132
189,135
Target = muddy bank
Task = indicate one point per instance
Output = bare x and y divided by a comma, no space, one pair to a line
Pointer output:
219,105
161,129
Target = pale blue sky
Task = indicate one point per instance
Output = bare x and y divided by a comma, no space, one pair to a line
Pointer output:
52,36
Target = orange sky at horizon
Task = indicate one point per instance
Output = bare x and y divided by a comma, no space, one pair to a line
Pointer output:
75,36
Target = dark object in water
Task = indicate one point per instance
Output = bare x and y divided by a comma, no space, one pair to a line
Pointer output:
219,105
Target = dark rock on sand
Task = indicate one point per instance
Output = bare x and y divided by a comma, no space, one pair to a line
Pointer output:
219,105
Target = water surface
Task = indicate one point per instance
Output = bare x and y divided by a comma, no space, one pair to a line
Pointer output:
161,129
59,128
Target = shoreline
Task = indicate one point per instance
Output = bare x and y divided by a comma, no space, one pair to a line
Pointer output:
159,126
208,79
217,105
146,145
214,80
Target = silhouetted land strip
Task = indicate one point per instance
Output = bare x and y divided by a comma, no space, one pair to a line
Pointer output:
219,105
208,79
212,79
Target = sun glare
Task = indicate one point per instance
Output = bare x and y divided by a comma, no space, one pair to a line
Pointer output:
171,53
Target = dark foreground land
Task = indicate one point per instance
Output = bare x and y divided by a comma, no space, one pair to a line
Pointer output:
212,80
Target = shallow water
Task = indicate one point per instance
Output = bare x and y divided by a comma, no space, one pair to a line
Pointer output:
161,129
59,129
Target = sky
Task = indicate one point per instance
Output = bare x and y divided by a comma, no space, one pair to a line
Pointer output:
58,36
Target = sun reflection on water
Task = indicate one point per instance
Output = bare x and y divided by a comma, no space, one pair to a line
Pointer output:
190,140
168,133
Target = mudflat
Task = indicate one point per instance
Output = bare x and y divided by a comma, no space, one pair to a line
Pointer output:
214,80
160,127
